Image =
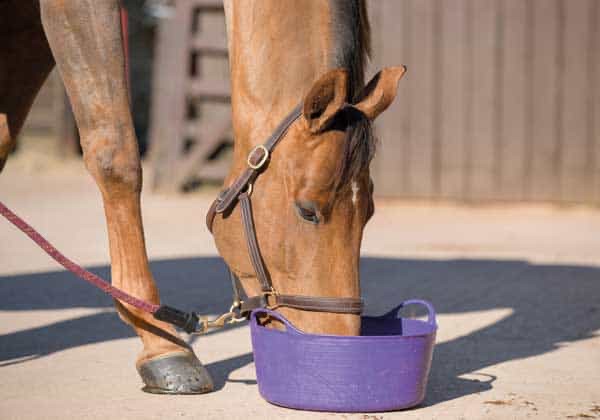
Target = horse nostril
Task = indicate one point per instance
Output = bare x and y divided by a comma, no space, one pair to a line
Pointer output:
308,211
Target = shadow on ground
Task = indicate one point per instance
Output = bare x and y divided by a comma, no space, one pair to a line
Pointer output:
551,304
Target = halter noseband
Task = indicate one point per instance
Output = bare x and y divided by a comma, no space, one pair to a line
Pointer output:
240,191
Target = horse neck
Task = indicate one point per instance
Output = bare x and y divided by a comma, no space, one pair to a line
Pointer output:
277,50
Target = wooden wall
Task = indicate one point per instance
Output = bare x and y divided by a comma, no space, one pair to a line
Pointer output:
190,132
501,100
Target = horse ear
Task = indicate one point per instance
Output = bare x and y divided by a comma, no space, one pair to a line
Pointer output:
326,97
380,92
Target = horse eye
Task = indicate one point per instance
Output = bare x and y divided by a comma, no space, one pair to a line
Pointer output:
308,212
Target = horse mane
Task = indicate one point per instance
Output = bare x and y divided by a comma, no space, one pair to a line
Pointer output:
351,40
352,49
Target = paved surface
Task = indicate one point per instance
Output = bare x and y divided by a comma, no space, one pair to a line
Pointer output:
517,289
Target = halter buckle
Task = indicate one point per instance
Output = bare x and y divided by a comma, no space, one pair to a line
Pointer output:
263,159
266,295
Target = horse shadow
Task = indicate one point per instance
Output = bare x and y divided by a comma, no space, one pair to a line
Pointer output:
547,305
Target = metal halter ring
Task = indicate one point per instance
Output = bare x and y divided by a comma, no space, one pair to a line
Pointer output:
274,293
262,161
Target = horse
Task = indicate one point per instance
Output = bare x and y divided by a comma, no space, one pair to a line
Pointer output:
314,194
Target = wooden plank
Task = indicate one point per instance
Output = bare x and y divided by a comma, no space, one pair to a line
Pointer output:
421,81
169,84
542,177
436,99
480,182
208,4
573,152
214,171
209,88
392,21
467,95
206,43
208,139
512,122
452,129
199,129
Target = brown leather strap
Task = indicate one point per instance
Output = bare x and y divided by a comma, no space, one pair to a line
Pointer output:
305,303
255,158
210,215
342,305
253,250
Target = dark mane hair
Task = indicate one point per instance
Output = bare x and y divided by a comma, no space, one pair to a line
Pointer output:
352,48
351,40
359,145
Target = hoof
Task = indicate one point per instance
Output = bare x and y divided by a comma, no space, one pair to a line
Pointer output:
180,373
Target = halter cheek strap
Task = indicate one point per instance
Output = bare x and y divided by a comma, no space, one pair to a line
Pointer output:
240,191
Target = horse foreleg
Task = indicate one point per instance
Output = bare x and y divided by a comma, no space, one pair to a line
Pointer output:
25,62
85,38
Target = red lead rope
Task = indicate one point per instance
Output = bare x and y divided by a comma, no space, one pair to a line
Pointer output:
74,268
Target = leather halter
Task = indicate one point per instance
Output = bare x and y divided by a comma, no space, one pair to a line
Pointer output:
240,191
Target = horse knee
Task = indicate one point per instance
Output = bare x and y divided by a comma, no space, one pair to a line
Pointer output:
7,142
113,159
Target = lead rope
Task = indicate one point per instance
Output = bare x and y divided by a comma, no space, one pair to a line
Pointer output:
188,321
74,268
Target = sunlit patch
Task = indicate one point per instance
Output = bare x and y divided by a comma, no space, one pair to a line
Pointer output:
453,326
17,360
11,324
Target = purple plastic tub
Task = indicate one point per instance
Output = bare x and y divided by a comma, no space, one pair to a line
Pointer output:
386,368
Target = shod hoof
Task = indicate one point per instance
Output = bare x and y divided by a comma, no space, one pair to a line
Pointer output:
179,373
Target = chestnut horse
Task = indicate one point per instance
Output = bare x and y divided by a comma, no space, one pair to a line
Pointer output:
310,206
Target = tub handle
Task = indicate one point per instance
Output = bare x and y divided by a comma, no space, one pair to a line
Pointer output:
431,319
274,314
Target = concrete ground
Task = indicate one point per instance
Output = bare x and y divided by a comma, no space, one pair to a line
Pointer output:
517,289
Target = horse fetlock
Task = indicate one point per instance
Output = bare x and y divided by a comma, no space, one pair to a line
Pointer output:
158,337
